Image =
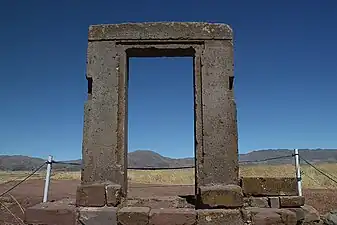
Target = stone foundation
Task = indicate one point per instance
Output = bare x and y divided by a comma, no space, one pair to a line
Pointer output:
256,205
69,215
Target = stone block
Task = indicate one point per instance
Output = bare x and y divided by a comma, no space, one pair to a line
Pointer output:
259,186
91,195
271,216
153,31
173,216
261,202
158,202
97,215
246,215
133,215
219,217
113,194
60,212
274,202
267,218
218,161
311,215
228,196
291,201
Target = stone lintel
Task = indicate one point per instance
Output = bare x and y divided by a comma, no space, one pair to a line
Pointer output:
161,31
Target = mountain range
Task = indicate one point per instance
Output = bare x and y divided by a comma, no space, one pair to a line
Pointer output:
146,158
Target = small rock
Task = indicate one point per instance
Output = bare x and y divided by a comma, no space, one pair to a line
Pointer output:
330,218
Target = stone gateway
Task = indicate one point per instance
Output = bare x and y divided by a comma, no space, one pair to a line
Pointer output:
221,197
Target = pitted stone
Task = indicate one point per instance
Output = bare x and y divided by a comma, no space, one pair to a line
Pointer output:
274,202
158,202
91,195
271,216
261,202
173,216
60,212
113,194
228,196
134,215
110,45
220,217
291,201
267,186
154,31
97,216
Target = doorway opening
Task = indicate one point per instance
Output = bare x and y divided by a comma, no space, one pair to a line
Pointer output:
161,127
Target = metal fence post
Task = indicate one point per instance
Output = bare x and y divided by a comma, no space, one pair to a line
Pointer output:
47,181
298,172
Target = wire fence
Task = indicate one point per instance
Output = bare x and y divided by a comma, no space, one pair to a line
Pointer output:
328,175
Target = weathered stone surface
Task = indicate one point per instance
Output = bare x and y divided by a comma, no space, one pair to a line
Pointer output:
219,217
305,217
97,216
60,212
246,202
246,215
229,196
259,186
274,202
270,216
310,214
91,195
158,202
291,201
113,194
330,218
261,202
154,31
104,145
267,218
173,216
103,151
134,215
219,162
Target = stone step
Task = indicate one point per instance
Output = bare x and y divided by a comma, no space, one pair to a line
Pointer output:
61,212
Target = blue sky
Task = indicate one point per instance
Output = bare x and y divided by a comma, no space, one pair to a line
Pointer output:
285,75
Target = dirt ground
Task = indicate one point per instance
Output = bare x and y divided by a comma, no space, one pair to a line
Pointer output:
31,192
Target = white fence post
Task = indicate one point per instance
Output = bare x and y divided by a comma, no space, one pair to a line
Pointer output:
298,172
47,181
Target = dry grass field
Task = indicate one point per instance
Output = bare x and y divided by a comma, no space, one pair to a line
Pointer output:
318,190
311,177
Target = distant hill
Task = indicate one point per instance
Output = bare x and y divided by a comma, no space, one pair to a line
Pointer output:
146,158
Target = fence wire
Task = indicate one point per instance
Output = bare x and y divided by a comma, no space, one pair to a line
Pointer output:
326,174
20,182
178,167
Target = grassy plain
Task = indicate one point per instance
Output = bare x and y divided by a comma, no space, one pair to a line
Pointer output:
311,177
